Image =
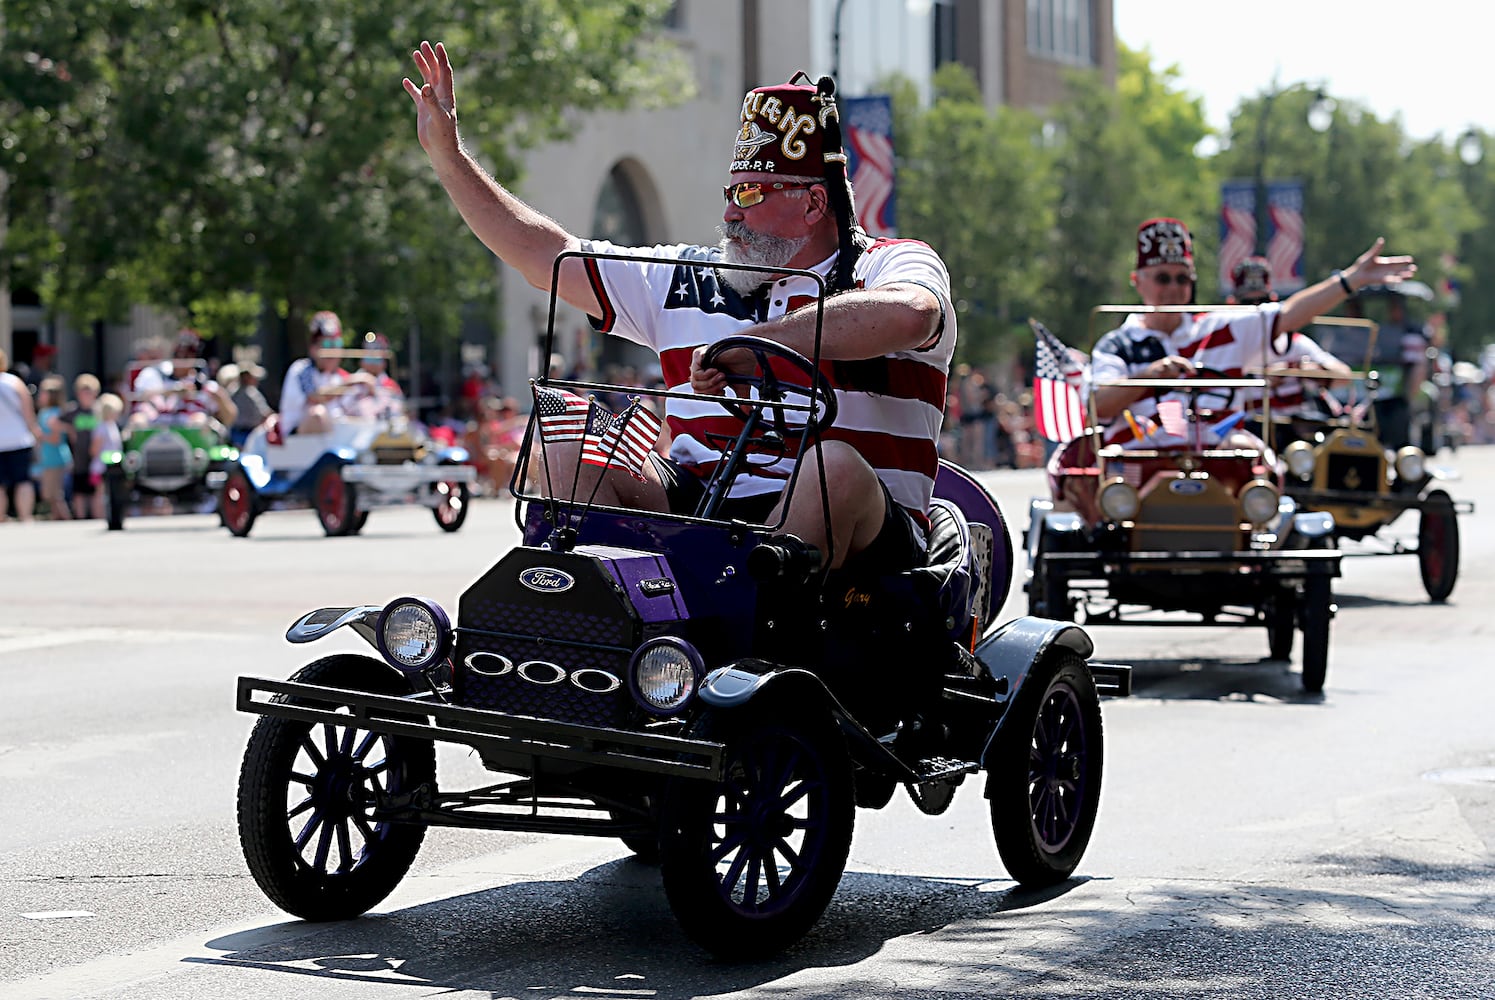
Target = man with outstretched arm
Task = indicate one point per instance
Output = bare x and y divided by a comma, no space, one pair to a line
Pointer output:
888,333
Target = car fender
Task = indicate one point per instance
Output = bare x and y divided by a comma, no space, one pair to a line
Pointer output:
737,684
324,621
254,468
334,458
1009,653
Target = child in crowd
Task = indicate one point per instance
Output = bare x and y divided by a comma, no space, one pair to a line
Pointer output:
53,455
106,437
80,418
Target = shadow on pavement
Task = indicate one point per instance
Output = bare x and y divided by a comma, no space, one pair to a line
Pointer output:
610,932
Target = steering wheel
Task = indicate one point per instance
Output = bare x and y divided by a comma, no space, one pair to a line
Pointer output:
1199,398
772,389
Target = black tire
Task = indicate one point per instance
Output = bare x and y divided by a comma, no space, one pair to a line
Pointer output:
359,520
452,503
1316,611
304,781
116,497
786,799
1281,615
336,501
1043,786
1438,546
238,504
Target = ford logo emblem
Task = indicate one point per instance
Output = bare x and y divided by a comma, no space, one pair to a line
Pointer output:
546,580
1186,487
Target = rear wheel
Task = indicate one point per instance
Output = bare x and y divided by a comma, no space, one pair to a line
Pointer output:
750,863
451,504
116,497
1281,623
307,794
1044,783
336,501
1317,609
1438,546
237,504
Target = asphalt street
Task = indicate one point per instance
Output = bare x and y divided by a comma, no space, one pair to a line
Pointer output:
1252,841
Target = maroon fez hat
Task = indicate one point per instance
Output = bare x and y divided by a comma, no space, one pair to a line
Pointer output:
1164,241
784,131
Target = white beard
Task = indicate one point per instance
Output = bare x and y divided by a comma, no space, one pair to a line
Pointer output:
772,253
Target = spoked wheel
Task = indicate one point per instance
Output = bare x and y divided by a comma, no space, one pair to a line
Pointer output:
750,864
237,504
1438,546
307,793
451,505
336,501
1317,609
1044,783
1281,616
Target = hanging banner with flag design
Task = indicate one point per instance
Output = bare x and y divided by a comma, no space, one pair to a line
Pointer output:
867,131
1284,236
1058,410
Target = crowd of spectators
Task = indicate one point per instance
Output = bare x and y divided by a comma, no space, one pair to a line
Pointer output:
52,432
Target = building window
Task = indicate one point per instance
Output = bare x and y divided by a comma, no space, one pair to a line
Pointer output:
944,32
1061,30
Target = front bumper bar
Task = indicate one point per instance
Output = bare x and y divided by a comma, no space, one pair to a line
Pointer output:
490,733
1278,564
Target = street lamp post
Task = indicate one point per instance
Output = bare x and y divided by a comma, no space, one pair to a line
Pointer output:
1262,212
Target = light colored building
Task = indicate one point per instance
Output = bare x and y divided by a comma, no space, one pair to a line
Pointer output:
655,176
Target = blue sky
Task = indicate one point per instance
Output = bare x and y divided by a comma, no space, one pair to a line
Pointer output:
1429,61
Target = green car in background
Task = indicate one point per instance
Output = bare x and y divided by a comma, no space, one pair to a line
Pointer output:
183,464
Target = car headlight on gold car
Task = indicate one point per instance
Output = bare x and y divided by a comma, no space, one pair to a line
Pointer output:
1411,464
1300,459
1259,502
1119,500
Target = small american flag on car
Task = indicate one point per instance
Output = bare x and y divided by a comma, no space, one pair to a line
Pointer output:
1058,410
625,441
563,415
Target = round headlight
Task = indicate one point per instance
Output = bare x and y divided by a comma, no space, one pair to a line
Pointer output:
1259,502
1410,464
413,634
664,674
1119,501
1300,459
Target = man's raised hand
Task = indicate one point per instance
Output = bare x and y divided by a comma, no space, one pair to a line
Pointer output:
435,103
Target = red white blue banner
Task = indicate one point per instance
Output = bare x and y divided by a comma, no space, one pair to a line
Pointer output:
867,130
1284,242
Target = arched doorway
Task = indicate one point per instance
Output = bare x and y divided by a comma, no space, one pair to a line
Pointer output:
621,216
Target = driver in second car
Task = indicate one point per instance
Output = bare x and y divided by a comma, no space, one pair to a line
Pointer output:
888,331
1167,345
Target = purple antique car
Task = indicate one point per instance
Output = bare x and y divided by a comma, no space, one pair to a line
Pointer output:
675,682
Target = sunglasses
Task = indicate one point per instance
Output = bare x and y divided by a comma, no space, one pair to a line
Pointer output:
749,193
1167,278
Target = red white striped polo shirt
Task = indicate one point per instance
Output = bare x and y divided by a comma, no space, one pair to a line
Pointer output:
1228,340
890,408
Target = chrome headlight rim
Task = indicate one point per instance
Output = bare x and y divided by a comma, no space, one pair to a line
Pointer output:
1119,500
440,641
689,658
1300,459
1411,464
1259,511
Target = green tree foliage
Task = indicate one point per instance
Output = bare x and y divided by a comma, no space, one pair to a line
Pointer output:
994,235
1122,156
182,151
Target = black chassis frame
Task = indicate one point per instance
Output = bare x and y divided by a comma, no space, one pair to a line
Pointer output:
524,746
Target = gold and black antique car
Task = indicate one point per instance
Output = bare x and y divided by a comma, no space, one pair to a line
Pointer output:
1335,460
